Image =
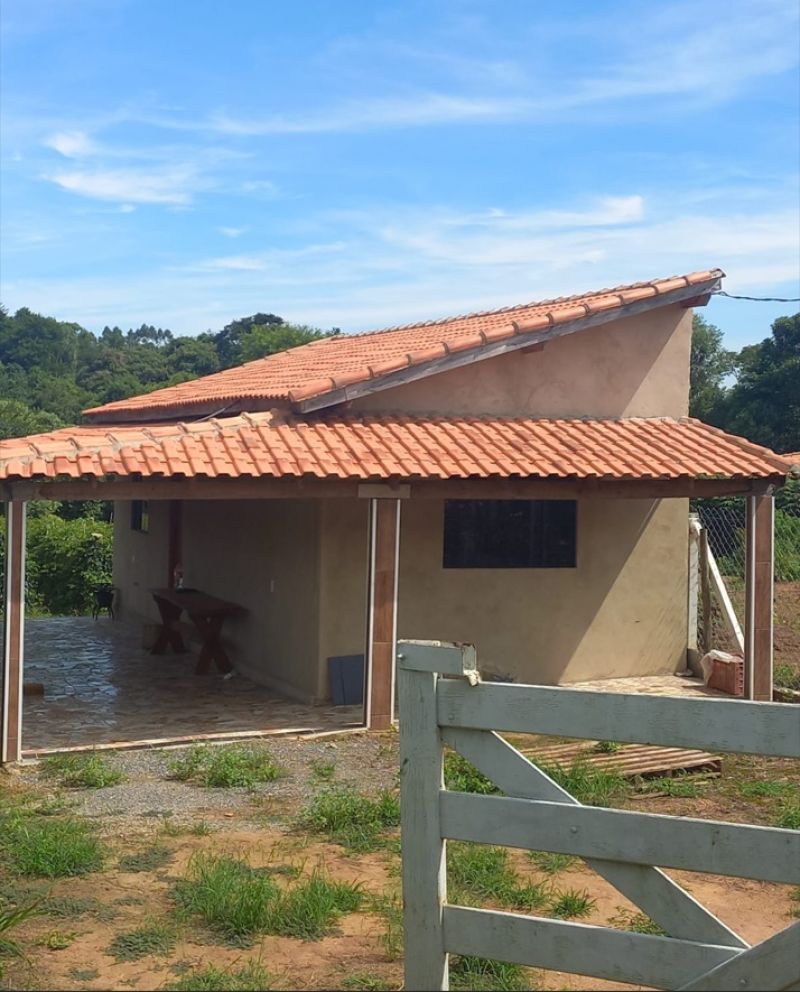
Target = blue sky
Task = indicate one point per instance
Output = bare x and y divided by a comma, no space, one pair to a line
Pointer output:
361,164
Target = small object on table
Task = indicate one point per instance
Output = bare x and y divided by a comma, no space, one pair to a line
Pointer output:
207,613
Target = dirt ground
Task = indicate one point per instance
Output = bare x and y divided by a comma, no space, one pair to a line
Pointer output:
260,824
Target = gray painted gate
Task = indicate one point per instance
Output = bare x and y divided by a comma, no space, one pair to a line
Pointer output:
443,702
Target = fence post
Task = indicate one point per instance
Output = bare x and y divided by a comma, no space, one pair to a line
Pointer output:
423,849
705,592
692,655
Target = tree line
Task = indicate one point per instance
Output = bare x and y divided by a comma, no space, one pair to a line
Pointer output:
50,370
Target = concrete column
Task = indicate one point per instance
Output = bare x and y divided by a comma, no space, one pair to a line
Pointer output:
759,594
14,633
382,625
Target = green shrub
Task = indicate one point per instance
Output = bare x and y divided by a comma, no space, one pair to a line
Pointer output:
461,776
786,677
234,765
351,819
81,771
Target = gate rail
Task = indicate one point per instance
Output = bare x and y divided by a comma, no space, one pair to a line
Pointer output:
443,702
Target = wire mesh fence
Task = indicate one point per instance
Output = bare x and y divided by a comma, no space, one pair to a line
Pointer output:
724,521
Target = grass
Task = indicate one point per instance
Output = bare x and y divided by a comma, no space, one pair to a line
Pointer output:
149,859
235,765
678,786
606,747
11,918
239,901
56,940
477,872
351,819
626,919
786,677
789,815
795,897
322,771
158,937
50,848
83,974
81,771
588,784
390,908
551,863
461,776
249,977
472,973
571,904
367,981
71,907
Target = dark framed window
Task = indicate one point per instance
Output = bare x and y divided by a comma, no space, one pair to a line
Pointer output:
140,516
509,533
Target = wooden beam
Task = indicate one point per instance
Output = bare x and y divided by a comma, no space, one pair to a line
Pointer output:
520,340
313,488
14,639
759,592
382,626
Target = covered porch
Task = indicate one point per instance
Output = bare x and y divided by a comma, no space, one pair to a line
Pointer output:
103,688
384,465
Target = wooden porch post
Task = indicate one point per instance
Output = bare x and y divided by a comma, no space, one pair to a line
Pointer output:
175,539
14,633
382,621
760,565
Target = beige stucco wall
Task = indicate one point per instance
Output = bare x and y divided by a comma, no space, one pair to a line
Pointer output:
140,561
261,554
621,611
635,367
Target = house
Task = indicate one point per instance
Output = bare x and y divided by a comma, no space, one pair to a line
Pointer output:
517,478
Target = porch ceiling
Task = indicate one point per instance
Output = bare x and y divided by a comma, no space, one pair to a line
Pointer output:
392,448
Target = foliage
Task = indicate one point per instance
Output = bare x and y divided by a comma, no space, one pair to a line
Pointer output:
626,919
787,546
351,819
250,977
461,776
551,863
83,771
485,874
789,815
67,560
234,765
786,677
710,364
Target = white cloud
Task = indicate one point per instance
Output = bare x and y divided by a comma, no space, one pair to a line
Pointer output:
232,232
71,144
130,186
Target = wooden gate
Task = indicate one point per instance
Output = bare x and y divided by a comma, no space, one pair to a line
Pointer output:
443,702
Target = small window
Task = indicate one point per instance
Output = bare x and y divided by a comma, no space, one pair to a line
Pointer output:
140,516
535,533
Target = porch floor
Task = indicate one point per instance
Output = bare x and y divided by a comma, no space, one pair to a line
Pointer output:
652,685
101,687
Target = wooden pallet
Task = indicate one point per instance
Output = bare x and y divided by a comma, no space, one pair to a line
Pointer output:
629,760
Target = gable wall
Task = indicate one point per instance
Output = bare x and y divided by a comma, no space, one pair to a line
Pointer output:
634,367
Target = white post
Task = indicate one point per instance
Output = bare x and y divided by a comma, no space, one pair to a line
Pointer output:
692,654
14,633
424,866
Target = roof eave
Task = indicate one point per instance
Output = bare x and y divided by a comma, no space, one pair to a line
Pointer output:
696,294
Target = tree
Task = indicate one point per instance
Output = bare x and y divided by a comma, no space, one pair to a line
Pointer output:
267,339
710,365
17,420
764,403
228,340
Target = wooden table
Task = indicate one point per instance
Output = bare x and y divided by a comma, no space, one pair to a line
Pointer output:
207,613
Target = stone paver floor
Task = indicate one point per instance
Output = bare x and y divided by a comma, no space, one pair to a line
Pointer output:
652,685
102,687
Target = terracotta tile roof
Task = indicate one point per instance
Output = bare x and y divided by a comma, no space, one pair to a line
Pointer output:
331,365
392,446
